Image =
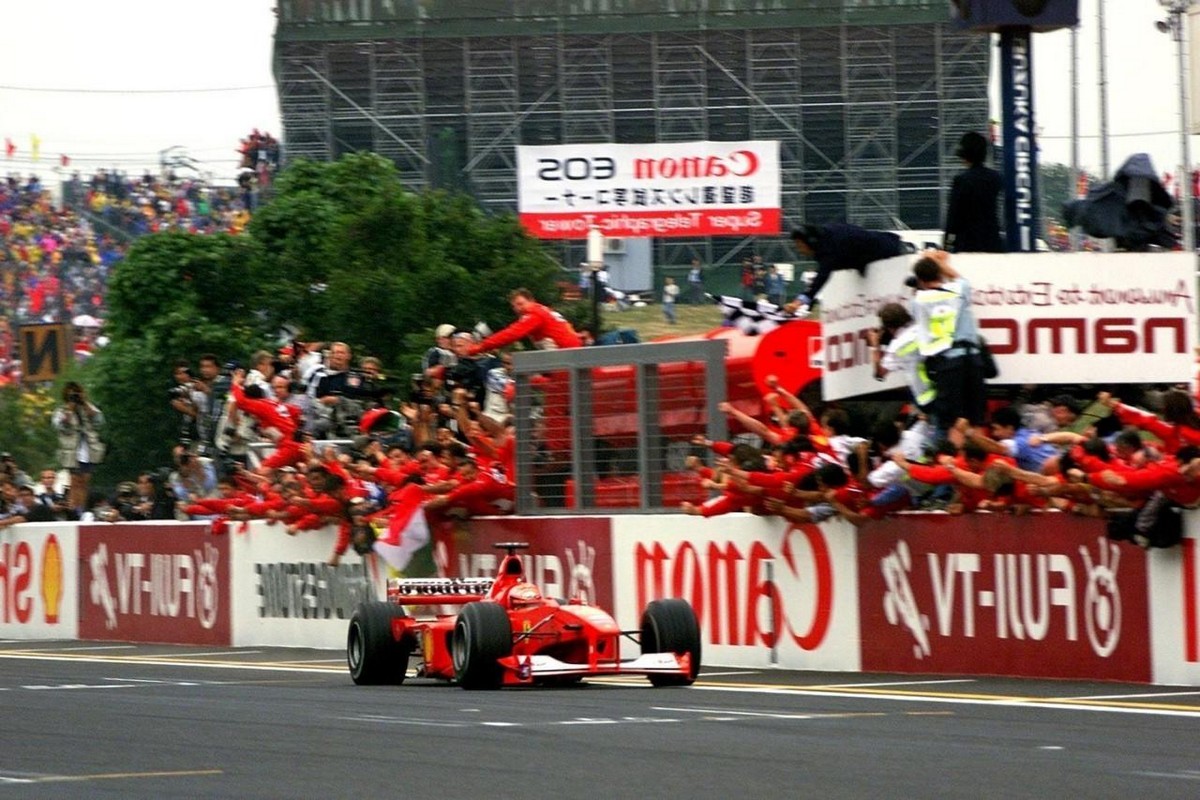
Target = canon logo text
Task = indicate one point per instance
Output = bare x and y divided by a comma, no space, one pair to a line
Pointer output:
738,164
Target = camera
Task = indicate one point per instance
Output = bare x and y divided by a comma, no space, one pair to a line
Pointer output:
181,392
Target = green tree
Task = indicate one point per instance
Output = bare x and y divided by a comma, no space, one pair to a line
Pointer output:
342,251
350,254
175,295
25,429
1056,188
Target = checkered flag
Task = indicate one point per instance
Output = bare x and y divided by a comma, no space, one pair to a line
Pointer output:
751,317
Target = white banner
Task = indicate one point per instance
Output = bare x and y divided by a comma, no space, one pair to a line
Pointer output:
39,581
1049,317
766,593
286,595
632,190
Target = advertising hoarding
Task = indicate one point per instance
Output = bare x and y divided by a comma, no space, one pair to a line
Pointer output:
677,189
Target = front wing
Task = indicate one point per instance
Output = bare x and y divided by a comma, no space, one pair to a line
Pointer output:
528,668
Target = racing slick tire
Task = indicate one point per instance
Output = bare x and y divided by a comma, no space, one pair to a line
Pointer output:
670,626
372,653
482,636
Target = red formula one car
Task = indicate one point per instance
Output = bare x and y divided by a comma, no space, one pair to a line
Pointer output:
508,634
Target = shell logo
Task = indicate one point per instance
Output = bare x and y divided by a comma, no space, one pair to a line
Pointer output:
52,578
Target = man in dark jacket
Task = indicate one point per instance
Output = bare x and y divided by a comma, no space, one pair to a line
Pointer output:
842,246
972,216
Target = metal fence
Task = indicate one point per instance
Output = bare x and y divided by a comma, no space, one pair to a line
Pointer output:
610,428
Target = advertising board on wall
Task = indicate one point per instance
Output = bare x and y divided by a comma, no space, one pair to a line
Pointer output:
766,593
38,581
1048,317
653,189
167,582
977,594
287,594
567,556
1175,608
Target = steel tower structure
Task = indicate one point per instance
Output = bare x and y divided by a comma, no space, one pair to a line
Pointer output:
867,97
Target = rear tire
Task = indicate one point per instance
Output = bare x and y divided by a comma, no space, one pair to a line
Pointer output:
670,626
372,653
482,636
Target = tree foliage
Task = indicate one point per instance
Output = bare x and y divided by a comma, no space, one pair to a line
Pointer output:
342,252
1055,188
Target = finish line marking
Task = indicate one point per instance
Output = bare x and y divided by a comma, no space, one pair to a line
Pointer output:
109,776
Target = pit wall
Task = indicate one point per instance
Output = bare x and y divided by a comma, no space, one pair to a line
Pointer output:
1039,596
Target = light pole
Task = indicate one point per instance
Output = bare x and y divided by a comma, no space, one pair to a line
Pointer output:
1174,24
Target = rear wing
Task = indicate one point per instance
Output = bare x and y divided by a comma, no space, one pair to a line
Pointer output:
437,591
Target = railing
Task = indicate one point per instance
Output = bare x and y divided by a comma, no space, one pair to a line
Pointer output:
610,428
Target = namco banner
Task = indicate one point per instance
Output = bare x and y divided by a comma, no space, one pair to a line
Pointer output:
567,556
1048,317
1051,597
636,190
154,583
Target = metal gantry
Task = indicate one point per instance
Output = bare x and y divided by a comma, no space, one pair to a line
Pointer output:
866,100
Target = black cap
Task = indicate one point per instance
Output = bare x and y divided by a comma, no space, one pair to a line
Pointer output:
972,147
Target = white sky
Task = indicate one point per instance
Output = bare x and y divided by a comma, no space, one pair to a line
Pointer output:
116,51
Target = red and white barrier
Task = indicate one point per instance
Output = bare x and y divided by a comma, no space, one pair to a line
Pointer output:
1041,596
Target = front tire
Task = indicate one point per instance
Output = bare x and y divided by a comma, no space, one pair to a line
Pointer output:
372,653
482,636
670,626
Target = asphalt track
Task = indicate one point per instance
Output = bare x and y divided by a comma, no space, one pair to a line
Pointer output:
152,721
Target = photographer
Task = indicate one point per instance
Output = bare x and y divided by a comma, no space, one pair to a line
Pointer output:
78,423
190,400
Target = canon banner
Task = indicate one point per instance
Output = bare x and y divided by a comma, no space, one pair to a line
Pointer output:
154,583
1050,597
766,594
1048,317
666,190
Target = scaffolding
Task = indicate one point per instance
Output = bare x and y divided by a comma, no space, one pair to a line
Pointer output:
866,97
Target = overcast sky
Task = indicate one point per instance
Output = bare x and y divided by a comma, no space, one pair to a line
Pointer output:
108,62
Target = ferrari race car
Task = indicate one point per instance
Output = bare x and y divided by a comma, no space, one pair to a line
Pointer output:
508,634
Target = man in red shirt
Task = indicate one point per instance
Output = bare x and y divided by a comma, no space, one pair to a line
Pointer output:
546,327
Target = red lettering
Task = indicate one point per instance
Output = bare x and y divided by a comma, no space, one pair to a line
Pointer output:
1111,339
1110,335
687,564
730,558
1168,323
846,350
740,163
734,585
1056,328
1191,650
823,582
760,590
1011,330
16,574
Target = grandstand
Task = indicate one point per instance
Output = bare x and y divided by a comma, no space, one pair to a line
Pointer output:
867,97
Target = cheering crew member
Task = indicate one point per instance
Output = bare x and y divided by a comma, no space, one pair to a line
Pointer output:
277,421
480,492
546,327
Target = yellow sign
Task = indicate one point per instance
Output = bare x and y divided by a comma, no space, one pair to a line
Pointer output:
46,351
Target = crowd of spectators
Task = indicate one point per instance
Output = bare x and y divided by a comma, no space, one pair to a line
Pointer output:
1133,467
